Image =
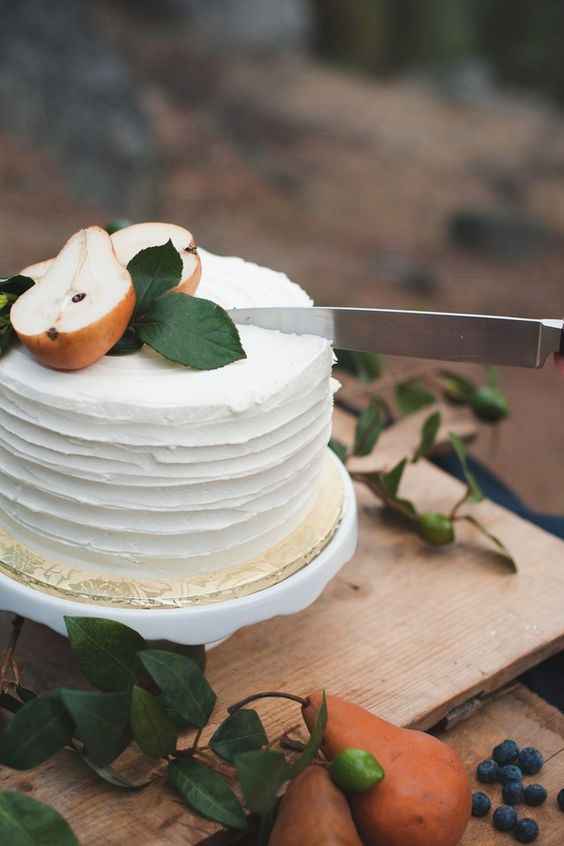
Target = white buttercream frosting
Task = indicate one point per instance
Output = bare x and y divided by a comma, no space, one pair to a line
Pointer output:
154,469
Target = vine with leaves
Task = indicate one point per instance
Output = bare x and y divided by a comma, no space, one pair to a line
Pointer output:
488,404
150,697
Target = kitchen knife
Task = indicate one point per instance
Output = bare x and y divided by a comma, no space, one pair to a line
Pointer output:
482,338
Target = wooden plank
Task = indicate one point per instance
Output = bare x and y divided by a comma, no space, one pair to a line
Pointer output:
405,630
531,722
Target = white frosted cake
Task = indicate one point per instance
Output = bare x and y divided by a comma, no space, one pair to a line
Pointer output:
146,468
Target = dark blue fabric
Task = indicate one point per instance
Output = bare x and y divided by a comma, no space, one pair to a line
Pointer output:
547,679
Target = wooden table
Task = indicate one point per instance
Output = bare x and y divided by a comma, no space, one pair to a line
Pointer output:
408,631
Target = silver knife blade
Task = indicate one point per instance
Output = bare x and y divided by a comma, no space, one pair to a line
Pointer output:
481,338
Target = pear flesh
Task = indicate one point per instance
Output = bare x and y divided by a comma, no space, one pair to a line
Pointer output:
82,306
131,240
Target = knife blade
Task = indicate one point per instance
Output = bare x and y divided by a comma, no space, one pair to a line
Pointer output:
480,338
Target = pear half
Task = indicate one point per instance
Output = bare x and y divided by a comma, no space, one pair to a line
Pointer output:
82,306
37,270
132,239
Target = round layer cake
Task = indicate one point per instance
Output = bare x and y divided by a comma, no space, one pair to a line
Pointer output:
156,470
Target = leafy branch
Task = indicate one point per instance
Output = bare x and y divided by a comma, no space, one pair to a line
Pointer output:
149,696
436,528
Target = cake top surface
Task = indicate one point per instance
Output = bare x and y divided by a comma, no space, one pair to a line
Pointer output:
141,383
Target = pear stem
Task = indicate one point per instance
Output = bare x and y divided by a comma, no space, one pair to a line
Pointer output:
269,694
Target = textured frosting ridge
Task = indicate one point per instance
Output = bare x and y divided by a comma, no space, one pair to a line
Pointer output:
154,469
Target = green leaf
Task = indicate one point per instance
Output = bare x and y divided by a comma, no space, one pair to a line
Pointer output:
391,480
152,729
266,824
385,487
7,337
429,432
128,343
261,775
196,653
25,694
241,732
10,703
110,776
106,651
154,271
474,493
116,225
10,290
412,395
39,729
184,688
456,388
364,365
101,722
502,549
191,331
26,822
314,743
16,285
207,793
339,449
369,427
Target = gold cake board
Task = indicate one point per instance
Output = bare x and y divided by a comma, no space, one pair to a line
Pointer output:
288,556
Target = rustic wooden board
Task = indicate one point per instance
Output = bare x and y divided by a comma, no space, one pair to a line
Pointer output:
404,630
531,722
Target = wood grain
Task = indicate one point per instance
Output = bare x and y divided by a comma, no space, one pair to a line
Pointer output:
531,722
405,630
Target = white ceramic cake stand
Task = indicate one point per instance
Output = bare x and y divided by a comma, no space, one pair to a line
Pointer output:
205,623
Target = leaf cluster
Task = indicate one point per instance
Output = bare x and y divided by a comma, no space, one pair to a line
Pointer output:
188,330
10,289
147,695
437,529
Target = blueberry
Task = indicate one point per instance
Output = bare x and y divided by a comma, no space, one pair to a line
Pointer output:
509,773
505,818
487,772
526,831
481,804
560,800
513,793
530,760
535,795
506,753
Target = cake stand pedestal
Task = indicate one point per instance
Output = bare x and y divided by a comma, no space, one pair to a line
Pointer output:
206,623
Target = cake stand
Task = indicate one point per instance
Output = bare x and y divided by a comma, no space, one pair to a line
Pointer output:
202,624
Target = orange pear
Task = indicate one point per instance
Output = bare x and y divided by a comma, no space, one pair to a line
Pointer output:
424,798
81,307
132,239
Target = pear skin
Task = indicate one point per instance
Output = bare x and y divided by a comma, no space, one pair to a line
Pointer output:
81,306
424,798
314,811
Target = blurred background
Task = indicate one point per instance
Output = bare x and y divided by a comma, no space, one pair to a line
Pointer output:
407,153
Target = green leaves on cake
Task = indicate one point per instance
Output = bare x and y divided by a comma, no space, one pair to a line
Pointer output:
10,290
185,329
191,331
111,292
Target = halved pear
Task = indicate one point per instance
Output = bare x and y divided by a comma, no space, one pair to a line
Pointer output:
37,270
132,239
82,306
